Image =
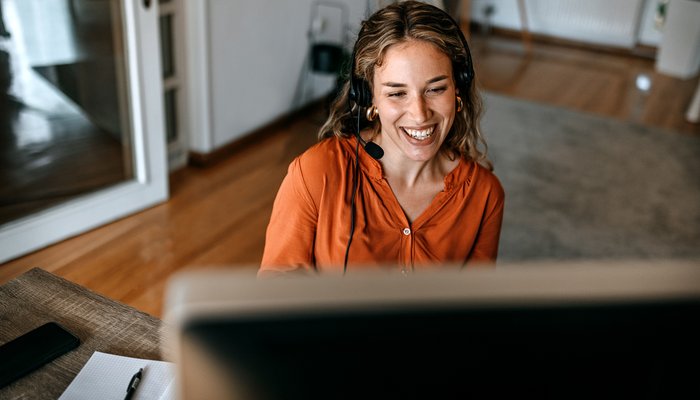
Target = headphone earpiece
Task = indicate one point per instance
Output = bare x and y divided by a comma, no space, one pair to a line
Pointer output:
463,77
360,92
464,74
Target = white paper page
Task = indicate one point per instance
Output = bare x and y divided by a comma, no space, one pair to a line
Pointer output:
169,393
106,376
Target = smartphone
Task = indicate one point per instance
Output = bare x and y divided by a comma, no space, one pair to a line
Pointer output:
33,349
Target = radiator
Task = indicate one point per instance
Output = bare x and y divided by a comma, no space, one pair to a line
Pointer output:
613,23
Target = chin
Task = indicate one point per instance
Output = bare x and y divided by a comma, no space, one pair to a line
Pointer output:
426,153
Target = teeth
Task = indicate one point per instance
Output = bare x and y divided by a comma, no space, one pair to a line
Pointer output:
421,134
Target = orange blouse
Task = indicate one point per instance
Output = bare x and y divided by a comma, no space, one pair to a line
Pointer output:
310,223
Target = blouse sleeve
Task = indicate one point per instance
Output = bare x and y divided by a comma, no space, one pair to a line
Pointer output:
485,248
289,240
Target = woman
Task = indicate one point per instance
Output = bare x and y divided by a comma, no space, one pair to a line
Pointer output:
431,198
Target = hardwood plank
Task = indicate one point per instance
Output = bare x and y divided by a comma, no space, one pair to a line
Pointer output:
240,248
595,82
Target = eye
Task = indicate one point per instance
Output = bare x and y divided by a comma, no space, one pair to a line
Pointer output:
396,94
437,90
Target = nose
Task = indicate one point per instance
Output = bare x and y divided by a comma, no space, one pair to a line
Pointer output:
418,109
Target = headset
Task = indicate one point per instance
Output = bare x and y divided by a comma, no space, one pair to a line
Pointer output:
361,94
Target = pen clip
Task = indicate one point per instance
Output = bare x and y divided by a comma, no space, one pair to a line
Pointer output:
135,380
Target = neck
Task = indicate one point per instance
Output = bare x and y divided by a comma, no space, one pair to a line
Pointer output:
410,173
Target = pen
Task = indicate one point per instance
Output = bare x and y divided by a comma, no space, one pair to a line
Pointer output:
133,384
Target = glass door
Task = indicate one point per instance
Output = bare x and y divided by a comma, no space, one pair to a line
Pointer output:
81,117
172,59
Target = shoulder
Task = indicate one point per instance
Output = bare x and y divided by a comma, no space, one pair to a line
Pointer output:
324,165
487,182
327,157
324,154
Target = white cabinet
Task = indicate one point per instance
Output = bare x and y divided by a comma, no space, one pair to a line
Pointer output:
679,52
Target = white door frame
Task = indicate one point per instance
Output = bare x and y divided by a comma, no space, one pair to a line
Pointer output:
150,185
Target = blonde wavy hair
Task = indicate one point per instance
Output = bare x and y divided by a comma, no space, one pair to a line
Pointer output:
399,23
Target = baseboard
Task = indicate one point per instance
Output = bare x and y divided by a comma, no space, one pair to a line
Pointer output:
197,159
643,51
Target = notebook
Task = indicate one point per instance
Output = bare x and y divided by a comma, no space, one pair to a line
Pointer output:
106,376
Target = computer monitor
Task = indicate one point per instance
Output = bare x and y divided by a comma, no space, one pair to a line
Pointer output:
586,330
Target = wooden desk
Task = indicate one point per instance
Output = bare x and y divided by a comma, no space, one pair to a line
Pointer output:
37,297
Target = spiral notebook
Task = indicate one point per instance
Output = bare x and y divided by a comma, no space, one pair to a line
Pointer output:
106,376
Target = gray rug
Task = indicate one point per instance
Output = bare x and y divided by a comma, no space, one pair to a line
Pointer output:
580,186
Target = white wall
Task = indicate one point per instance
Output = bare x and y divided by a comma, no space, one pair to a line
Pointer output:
622,23
255,52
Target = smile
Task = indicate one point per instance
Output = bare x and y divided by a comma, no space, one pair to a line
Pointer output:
419,134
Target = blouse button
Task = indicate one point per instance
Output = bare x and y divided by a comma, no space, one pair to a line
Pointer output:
406,231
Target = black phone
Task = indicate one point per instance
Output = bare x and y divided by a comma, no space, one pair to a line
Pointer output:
33,349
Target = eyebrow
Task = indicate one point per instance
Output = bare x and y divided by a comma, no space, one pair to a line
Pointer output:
429,81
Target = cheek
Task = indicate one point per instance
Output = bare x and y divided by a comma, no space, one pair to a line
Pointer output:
448,119
448,104
388,112
446,108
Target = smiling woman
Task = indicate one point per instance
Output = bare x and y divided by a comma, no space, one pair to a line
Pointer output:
422,194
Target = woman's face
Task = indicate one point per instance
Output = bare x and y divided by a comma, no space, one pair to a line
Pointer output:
414,93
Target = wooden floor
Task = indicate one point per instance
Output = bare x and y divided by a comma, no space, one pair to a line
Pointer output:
601,83
217,215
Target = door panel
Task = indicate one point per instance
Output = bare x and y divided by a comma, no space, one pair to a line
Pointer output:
82,140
